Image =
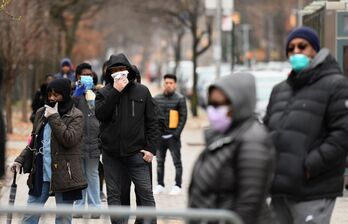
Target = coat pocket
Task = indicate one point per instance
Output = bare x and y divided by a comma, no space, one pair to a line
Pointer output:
67,173
137,106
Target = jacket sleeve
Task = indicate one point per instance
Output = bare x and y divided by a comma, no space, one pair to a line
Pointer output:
268,109
152,127
254,173
70,134
182,117
333,148
105,102
25,154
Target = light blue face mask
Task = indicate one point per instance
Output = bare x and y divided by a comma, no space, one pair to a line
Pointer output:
299,62
87,81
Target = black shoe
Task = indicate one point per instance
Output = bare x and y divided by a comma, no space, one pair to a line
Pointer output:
77,216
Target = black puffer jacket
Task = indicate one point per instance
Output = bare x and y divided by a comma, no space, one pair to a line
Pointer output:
128,118
234,171
174,101
308,119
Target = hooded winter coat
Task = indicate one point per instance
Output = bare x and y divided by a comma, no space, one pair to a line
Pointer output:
307,116
234,171
128,118
70,75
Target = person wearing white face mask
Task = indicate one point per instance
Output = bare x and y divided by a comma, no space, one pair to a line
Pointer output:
307,116
128,133
234,171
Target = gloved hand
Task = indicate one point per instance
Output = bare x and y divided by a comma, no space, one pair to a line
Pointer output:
50,110
80,90
15,166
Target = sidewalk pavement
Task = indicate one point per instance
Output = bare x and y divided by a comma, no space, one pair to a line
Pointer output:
192,145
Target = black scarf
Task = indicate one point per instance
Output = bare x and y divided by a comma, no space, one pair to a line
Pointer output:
63,87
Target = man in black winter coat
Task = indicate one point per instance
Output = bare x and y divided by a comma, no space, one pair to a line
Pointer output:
128,132
307,116
173,107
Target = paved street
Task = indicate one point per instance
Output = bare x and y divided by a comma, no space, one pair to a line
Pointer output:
192,138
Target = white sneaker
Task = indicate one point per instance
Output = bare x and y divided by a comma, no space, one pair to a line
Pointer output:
175,190
159,189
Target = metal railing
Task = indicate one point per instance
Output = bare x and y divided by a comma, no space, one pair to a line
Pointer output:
196,215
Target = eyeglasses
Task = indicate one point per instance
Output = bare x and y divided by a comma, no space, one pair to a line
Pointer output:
87,74
300,46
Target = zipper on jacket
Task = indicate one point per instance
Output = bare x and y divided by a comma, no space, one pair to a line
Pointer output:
69,170
133,112
116,110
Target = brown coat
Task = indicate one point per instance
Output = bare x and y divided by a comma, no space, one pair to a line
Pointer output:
67,170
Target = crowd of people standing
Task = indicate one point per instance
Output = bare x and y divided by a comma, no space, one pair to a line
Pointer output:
81,127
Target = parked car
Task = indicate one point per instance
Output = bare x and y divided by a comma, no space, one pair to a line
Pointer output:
265,81
266,78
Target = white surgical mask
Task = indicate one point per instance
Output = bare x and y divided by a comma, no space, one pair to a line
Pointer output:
120,74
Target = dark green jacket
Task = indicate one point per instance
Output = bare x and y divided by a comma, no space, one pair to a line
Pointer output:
67,171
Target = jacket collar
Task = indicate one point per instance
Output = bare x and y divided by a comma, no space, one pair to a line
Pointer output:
216,140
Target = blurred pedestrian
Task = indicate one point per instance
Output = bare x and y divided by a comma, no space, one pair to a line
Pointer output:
40,96
173,107
101,166
307,116
66,71
84,98
128,132
103,80
235,170
53,158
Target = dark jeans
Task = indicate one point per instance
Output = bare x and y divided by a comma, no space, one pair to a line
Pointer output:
125,193
138,172
174,146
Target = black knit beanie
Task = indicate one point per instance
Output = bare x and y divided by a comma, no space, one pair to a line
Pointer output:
306,33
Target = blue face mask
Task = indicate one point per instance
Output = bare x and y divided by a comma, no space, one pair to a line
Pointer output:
87,81
299,62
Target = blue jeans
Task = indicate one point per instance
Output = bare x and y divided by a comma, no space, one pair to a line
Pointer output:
32,200
92,193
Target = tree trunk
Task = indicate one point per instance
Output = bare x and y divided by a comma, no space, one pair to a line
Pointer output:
8,84
144,61
177,50
24,95
69,43
70,37
194,98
